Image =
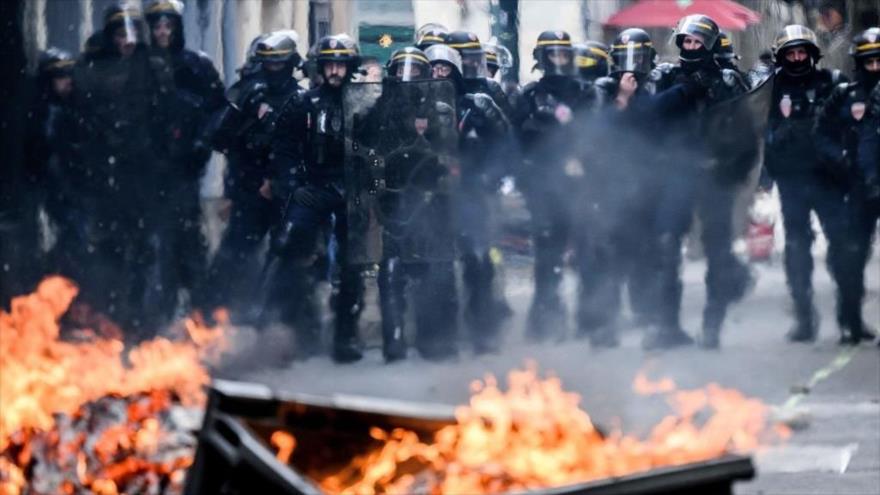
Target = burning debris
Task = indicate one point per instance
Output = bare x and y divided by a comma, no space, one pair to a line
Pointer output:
86,416
534,435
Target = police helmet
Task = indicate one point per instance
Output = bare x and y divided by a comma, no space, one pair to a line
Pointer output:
633,51
409,64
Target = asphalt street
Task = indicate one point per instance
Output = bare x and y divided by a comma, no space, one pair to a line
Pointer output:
831,393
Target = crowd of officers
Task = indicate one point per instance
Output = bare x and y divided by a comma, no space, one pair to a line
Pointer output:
609,149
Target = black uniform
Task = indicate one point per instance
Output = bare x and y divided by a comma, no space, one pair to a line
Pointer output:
245,132
309,160
199,96
846,140
124,104
541,119
691,184
609,225
485,152
806,182
50,180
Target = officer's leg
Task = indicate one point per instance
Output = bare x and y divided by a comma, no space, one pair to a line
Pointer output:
842,222
549,235
599,291
483,311
727,279
392,304
795,196
349,300
193,247
436,311
288,279
674,215
231,276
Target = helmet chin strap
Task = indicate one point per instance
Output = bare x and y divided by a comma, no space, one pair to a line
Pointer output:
799,68
695,59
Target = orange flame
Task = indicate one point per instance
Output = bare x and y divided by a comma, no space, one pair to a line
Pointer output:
535,435
285,443
41,376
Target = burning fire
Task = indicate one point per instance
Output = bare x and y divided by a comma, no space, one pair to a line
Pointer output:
45,381
535,435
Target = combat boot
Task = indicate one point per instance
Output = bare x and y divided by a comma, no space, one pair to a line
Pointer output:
604,337
666,337
393,344
546,321
807,325
713,318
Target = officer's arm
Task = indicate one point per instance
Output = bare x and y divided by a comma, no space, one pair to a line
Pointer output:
214,91
826,128
678,99
869,150
287,145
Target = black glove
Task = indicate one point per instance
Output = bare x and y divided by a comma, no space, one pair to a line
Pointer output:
485,104
251,100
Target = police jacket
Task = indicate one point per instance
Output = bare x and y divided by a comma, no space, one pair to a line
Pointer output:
247,137
841,123
789,144
199,95
125,109
309,142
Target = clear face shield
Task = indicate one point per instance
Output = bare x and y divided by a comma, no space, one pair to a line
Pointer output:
409,68
557,60
131,28
635,57
473,65
505,59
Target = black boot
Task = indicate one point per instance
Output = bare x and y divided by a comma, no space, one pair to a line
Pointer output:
349,304
668,333
436,312
713,318
392,298
604,337
807,325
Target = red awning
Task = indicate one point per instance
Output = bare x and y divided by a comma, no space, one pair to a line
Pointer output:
665,13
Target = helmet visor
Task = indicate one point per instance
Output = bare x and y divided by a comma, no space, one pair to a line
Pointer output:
473,65
633,57
557,60
131,28
410,67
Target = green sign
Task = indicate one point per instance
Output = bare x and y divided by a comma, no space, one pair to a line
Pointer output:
381,41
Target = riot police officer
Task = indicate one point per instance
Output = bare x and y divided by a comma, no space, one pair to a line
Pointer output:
199,94
844,124
805,182
475,72
124,99
244,133
309,153
591,60
413,127
483,129
608,230
712,189
52,148
542,117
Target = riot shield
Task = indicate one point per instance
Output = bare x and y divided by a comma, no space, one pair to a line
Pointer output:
364,169
408,141
735,133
